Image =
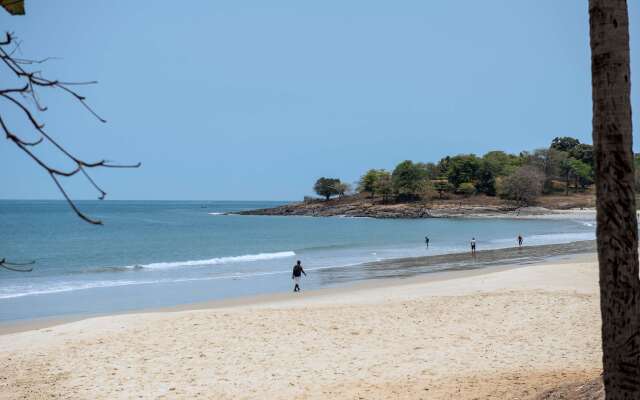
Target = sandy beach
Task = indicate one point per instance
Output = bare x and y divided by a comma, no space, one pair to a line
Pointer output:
498,333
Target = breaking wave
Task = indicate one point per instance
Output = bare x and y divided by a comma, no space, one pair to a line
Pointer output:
213,261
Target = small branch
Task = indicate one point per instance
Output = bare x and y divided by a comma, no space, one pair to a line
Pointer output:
11,266
34,80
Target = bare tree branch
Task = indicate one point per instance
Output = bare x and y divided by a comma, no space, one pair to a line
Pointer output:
20,98
33,80
17,267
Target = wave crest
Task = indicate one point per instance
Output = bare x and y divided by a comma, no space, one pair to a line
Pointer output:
213,261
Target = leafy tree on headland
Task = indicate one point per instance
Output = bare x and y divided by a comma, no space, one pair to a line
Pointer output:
384,185
462,168
442,186
583,152
409,180
564,143
581,173
501,163
566,160
367,182
327,187
486,179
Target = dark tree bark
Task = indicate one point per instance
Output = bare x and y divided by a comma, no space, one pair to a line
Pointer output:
617,231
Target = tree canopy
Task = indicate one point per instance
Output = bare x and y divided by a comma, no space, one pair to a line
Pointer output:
409,180
565,164
328,187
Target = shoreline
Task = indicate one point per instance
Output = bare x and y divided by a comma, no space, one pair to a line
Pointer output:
508,331
403,271
359,206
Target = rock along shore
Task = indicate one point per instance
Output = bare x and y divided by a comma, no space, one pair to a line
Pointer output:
359,206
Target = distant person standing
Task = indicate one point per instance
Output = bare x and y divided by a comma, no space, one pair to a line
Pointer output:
296,275
520,240
473,245
426,240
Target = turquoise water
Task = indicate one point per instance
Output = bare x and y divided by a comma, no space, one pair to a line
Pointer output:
161,253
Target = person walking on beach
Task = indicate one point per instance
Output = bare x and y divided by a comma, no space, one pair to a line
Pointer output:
520,240
426,240
473,246
296,275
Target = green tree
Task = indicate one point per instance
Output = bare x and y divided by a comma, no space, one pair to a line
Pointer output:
581,173
466,189
431,170
486,179
384,185
327,187
564,143
367,182
441,186
501,163
443,166
583,152
408,180
463,168
575,171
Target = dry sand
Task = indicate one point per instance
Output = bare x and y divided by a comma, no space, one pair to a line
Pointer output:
506,334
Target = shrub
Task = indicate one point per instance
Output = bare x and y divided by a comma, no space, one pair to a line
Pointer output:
466,189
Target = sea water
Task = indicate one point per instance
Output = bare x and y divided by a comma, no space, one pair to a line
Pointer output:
162,253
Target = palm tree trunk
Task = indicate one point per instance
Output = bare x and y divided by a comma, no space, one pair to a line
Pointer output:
617,231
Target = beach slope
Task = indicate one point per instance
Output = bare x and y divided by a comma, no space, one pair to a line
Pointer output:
505,334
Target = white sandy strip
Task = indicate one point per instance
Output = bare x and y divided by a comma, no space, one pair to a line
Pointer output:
507,334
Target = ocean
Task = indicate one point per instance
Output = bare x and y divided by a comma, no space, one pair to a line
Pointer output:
163,253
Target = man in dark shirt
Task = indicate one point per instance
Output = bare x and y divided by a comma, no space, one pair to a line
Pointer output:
296,275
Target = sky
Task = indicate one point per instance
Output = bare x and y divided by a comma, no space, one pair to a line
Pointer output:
254,100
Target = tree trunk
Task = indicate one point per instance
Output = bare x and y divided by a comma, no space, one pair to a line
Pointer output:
617,231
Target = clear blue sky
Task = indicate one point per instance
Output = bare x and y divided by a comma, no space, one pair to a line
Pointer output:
257,99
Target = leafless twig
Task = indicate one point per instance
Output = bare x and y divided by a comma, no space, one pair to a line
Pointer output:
16,97
33,81
18,267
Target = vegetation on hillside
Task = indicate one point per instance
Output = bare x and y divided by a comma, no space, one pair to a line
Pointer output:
565,166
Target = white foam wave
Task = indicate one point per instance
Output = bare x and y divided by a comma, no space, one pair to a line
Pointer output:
61,287
217,213
215,261
21,291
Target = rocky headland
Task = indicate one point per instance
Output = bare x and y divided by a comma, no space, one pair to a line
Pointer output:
474,206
